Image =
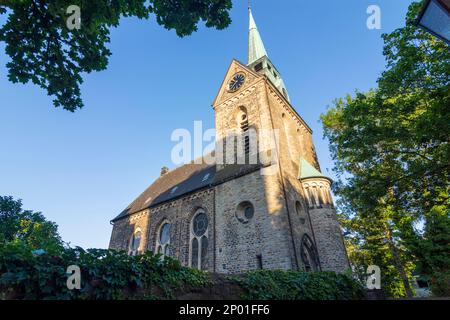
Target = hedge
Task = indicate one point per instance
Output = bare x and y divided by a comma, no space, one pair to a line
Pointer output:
111,274
294,285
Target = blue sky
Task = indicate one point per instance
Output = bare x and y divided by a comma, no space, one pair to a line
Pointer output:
81,169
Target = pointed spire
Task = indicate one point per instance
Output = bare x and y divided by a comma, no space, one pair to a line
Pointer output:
256,48
258,59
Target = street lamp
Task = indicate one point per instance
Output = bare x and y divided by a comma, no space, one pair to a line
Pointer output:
435,18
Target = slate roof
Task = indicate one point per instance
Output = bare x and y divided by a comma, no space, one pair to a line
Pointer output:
192,177
181,181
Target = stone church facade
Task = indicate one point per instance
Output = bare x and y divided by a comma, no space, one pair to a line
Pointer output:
230,218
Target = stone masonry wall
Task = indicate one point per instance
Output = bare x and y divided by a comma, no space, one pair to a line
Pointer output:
266,234
332,253
269,233
124,229
179,213
295,142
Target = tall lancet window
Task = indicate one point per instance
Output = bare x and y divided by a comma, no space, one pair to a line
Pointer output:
163,239
199,240
244,129
308,254
312,193
135,243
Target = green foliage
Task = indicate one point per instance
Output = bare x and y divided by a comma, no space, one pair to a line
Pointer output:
27,273
392,154
294,285
433,251
111,274
27,226
105,274
45,52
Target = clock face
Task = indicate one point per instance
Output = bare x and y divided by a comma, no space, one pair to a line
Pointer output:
237,82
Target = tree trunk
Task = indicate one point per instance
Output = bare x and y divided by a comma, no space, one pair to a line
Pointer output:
399,265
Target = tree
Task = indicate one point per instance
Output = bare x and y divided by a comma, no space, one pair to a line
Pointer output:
45,52
391,149
27,226
433,250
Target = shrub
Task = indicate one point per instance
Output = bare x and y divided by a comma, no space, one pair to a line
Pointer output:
105,274
111,274
440,284
294,285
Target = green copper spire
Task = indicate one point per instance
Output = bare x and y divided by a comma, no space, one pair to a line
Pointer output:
259,61
256,48
308,171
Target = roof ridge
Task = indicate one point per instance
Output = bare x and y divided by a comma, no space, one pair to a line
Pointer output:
185,164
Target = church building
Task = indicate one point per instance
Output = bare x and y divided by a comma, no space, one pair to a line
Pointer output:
231,218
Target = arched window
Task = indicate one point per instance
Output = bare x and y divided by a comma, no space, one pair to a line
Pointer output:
163,239
318,194
298,209
135,243
244,128
330,199
312,197
199,240
308,254
325,196
321,196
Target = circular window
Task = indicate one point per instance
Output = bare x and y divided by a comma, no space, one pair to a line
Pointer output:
200,224
245,212
164,234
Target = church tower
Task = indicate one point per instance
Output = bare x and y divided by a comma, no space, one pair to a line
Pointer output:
277,214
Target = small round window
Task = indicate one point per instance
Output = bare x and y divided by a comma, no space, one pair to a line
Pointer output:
245,212
200,224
